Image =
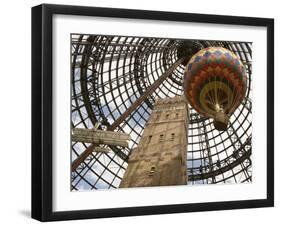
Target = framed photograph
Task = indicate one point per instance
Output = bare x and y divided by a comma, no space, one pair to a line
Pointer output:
146,112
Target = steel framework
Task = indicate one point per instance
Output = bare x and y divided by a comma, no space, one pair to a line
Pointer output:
115,82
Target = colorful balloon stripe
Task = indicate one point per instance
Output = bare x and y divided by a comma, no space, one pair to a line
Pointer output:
215,78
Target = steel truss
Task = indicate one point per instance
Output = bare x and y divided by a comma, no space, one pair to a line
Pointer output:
115,81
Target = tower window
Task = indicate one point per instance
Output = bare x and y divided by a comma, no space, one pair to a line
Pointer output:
149,139
173,137
167,116
177,115
152,170
161,137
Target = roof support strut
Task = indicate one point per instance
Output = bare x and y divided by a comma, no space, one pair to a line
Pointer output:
129,111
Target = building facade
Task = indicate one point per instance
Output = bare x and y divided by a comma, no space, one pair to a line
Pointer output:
160,158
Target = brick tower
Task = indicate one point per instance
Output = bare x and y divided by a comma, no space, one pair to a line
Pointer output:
160,158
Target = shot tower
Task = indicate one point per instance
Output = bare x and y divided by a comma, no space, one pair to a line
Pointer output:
160,158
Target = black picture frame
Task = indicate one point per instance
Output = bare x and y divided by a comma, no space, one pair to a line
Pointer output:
42,111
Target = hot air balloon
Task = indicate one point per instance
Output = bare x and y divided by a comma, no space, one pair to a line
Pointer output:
215,84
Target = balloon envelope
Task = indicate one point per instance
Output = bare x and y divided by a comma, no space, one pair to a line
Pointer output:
215,84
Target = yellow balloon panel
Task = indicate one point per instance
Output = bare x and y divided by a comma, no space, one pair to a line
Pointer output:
215,80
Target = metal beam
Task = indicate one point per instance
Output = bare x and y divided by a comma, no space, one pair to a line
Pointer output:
230,166
222,169
100,137
117,44
130,110
147,93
